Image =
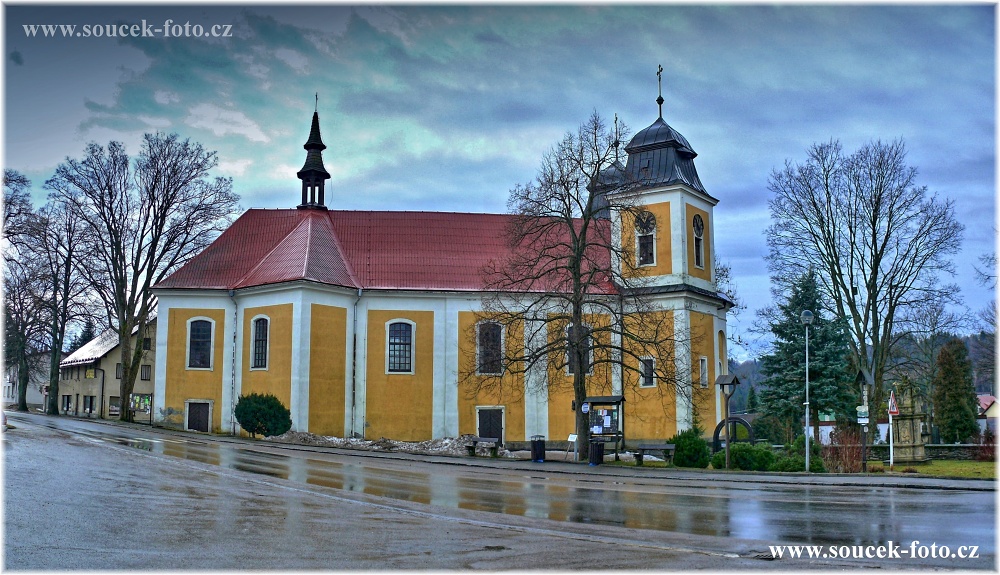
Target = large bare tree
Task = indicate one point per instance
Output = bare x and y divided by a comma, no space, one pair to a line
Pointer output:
560,290
17,210
25,318
877,240
145,216
59,233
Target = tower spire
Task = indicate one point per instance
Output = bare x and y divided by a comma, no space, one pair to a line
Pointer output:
313,174
659,87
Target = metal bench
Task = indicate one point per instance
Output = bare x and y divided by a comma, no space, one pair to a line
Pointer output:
666,448
474,441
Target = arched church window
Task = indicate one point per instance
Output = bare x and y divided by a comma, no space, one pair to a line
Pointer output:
400,348
699,241
645,231
489,347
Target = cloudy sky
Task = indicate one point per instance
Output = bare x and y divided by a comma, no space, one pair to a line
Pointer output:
446,108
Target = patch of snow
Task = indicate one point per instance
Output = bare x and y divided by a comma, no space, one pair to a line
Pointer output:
452,446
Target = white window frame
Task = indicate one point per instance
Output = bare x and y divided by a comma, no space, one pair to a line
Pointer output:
699,243
503,342
642,375
211,345
253,343
590,336
703,372
413,346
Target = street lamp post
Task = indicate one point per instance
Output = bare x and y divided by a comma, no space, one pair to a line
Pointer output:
862,380
807,319
727,384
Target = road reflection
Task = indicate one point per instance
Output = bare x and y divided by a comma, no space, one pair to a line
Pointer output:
791,513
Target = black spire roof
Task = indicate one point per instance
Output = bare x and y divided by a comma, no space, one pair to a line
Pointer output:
660,155
314,146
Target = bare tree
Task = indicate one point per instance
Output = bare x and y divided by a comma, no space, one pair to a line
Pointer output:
876,239
25,318
59,234
567,290
145,217
922,331
17,210
984,345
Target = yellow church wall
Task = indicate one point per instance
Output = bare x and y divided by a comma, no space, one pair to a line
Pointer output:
704,272
327,370
400,406
184,383
276,379
703,338
651,412
562,419
480,390
663,264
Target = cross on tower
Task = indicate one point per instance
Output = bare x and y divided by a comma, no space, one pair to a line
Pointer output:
659,87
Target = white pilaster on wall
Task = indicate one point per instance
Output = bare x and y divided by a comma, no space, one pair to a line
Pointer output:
449,427
616,366
301,346
228,333
536,393
442,378
160,381
361,370
682,363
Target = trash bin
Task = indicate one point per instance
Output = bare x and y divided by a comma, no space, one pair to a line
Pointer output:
538,448
596,452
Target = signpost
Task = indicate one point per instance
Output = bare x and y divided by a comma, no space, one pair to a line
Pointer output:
893,410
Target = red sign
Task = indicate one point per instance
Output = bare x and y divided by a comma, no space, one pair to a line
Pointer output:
893,409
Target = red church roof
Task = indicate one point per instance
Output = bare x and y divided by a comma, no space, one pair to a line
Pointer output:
354,249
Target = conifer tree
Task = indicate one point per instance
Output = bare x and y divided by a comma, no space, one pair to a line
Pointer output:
955,403
830,377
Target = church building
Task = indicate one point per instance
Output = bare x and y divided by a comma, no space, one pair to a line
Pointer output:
360,322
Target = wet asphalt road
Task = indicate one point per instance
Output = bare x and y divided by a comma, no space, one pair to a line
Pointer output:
197,502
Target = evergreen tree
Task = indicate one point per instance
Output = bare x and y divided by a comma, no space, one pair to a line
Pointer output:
752,400
955,403
830,377
86,334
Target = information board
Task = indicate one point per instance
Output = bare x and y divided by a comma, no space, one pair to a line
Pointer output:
604,421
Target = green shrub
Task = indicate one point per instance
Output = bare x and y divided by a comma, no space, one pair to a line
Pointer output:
690,450
262,414
797,462
746,457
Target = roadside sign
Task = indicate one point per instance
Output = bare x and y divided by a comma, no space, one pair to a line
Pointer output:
893,408
863,420
862,411
585,408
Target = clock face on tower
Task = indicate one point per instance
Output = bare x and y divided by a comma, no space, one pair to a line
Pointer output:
645,223
699,226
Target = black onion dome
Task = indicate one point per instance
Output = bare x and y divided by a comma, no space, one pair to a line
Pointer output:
660,155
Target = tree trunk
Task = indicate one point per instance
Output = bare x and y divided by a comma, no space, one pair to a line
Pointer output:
22,382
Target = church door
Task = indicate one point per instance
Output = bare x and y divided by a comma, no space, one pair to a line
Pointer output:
491,422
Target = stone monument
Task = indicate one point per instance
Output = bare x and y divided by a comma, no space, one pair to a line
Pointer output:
907,431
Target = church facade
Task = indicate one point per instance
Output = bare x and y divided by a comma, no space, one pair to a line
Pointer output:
362,322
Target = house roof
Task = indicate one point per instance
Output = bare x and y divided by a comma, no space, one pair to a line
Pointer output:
985,401
354,249
96,348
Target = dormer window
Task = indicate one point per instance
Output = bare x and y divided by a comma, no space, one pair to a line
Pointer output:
645,235
699,241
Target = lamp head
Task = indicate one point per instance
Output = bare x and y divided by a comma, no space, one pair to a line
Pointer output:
806,317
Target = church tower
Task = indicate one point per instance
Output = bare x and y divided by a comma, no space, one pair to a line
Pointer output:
313,174
669,238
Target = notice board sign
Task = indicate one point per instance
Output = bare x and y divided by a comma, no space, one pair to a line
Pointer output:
604,420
